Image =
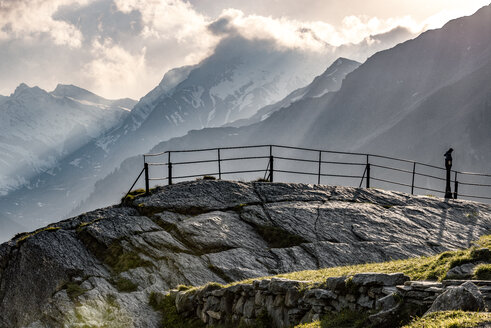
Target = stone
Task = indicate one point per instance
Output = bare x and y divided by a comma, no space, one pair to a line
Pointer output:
249,308
280,286
387,302
365,302
465,297
238,307
213,314
184,302
379,279
463,271
336,283
292,296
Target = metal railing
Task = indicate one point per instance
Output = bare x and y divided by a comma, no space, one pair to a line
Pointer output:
348,168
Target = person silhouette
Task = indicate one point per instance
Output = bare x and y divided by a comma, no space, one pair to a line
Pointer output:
448,166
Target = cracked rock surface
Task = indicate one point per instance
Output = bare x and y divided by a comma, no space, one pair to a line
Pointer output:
101,267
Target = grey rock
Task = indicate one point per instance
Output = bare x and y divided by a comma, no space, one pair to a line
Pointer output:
386,303
466,297
463,271
380,279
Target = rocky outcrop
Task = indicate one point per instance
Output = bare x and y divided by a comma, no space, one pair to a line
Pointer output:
104,264
389,298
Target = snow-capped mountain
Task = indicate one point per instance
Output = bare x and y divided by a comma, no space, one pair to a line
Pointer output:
328,81
38,128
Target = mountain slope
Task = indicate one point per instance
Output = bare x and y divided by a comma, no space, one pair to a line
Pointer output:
38,128
238,79
329,81
412,101
100,268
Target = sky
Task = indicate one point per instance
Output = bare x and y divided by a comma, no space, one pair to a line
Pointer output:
122,48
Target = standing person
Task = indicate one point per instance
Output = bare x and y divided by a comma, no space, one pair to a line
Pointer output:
448,166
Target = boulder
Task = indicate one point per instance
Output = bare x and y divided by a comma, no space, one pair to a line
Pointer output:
465,297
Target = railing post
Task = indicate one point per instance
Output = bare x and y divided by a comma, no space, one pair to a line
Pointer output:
219,165
271,169
368,172
147,180
456,187
320,163
169,167
412,183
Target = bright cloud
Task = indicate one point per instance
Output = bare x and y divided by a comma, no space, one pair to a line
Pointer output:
31,18
121,48
115,68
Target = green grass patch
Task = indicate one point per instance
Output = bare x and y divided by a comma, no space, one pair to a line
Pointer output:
451,319
482,272
74,290
121,261
170,318
346,319
24,236
125,285
343,319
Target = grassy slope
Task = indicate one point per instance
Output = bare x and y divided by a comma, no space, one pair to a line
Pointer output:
447,319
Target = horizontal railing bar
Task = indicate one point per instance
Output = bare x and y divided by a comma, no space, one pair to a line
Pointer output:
194,175
319,150
393,182
195,162
473,184
243,171
157,179
475,174
223,173
472,196
391,168
429,189
157,164
296,159
322,175
297,172
343,163
430,176
243,158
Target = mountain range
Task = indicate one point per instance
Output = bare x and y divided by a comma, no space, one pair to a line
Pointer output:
38,128
414,100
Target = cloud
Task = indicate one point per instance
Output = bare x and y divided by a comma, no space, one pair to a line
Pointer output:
32,18
112,67
121,48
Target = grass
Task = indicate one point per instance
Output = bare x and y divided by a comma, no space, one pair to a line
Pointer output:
170,318
447,319
24,236
418,268
74,290
125,285
451,319
121,261
482,272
